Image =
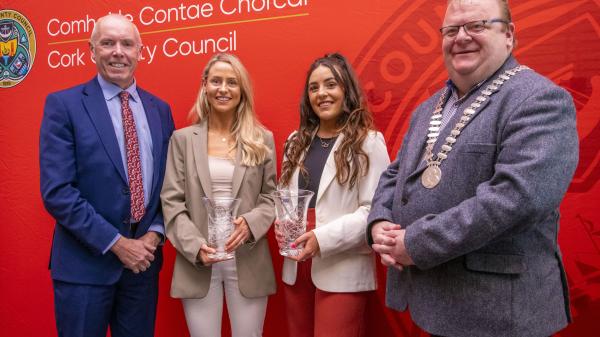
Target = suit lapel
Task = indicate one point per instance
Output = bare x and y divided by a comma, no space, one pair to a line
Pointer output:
200,151
96,107
416,145
238,172
153,118
329,170
511,63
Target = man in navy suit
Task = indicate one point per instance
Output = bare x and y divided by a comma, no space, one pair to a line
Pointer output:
467,214
103,146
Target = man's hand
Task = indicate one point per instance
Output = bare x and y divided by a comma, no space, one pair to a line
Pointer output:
393,246
388,242
311,246
152,238
388,261
134,254
381,232
240,234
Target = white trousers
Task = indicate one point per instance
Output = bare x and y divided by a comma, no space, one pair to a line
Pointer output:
203,315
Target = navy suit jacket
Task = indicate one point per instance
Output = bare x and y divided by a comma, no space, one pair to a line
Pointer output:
84,186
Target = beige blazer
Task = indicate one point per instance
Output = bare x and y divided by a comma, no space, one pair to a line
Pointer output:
346,262
187,180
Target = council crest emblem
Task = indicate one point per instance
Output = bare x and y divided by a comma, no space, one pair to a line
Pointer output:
17,47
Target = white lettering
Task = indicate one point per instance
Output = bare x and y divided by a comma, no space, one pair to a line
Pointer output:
172,47
142,17
151,52
56,59
51,31
149,15
56,27
225,11
278,6
230,7
126,15
166,50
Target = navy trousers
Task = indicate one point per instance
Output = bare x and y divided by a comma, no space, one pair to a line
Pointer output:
128,307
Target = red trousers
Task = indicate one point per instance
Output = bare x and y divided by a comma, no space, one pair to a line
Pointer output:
311,312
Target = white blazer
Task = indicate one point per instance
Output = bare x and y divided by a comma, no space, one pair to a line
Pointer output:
346,262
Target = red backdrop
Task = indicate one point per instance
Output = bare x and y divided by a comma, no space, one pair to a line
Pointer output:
395,47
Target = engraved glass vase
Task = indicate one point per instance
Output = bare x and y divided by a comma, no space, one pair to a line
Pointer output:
221,213
290,209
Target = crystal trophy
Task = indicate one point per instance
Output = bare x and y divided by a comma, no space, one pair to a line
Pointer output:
290,209
221,213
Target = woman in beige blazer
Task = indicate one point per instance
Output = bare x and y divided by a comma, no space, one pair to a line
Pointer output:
337,154
227,152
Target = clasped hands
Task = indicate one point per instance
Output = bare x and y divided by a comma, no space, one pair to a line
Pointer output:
136,254
240,234
388,242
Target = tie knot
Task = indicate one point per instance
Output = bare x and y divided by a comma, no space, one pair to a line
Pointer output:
124,96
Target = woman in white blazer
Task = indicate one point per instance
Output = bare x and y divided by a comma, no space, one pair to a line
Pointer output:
337,154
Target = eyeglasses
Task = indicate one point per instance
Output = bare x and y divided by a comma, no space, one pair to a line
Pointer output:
473,27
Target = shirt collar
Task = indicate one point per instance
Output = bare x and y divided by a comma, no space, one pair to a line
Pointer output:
454,91
110,90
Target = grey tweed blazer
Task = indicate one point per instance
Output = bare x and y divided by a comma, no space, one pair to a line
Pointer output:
484,240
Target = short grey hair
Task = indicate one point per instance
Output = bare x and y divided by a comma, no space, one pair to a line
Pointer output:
504,8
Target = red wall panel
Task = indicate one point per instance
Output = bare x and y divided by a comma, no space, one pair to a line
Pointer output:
395,47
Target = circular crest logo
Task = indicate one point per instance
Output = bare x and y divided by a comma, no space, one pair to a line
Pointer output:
17,47
402,65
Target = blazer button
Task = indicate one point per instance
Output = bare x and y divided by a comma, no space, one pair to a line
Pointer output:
126,190
404,201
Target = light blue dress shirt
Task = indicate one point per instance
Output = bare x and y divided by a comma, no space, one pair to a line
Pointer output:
113,102
451,106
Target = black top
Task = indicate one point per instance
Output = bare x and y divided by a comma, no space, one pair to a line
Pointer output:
314,162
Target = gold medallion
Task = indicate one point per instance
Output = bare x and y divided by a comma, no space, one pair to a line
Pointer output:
431,176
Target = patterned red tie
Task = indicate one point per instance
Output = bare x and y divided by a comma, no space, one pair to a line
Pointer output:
134,168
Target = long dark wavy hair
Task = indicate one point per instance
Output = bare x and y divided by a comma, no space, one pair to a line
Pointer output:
354,123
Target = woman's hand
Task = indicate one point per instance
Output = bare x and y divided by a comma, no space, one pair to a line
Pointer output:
279,237
203,255
240,234
311,246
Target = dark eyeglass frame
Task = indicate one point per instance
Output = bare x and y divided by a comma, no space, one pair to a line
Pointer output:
447,31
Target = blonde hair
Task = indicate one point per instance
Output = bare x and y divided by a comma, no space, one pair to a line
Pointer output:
247,131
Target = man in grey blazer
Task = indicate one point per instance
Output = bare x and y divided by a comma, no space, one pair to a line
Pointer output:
467,214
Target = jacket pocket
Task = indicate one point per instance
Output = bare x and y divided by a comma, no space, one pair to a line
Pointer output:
496,263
